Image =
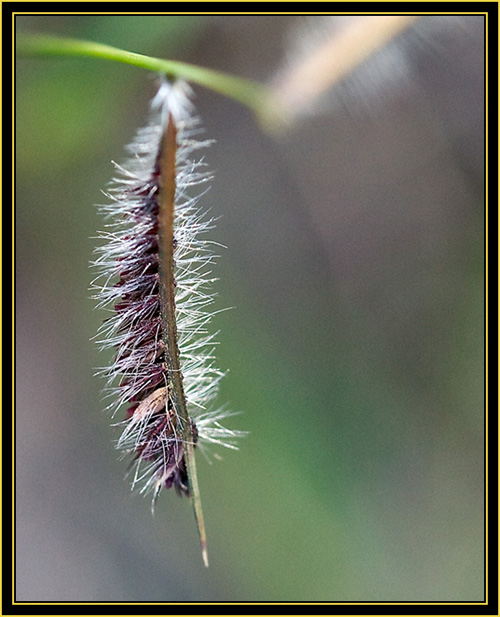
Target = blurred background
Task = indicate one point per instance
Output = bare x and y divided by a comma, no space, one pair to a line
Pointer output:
354,264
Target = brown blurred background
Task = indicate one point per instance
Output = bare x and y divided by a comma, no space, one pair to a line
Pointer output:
355,348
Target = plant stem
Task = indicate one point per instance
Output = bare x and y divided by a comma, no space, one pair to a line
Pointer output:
335,58
167,285
248,92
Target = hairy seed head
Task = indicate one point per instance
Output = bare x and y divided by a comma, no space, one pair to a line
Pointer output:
155,277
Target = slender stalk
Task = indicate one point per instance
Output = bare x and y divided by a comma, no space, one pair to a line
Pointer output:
248,92
195,492
338,56
167,286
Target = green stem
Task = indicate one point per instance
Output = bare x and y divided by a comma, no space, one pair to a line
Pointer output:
248,92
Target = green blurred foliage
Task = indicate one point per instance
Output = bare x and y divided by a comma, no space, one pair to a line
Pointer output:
355,347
